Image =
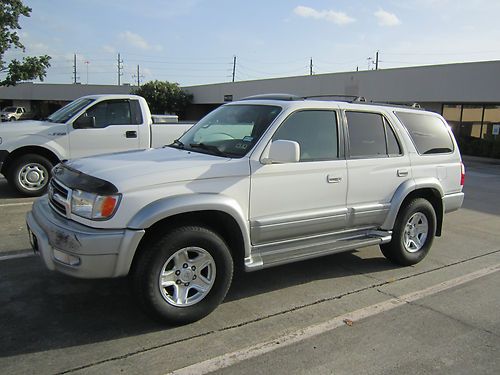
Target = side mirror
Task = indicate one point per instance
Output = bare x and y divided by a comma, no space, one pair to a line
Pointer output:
84,122
282,151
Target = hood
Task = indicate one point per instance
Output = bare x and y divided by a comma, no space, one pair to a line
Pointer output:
26,126
141,169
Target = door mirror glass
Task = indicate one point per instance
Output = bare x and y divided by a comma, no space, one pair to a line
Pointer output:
283,151
84,122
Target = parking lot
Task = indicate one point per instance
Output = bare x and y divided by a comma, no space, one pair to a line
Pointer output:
344,314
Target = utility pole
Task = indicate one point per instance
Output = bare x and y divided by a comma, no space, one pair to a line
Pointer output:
376,61
234,67
311,67
87,64
138,76
74,68
120,68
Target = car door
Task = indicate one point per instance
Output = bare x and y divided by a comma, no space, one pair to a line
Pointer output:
308,197
116,129
376,167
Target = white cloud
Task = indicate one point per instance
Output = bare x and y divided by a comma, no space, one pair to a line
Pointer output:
138,41
109,49
386,19
339,18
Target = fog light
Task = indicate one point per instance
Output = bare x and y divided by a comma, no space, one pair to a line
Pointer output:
68,259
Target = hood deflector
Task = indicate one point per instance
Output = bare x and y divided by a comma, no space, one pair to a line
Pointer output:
78,180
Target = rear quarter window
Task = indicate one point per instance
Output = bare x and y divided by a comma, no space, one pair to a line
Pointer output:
428,132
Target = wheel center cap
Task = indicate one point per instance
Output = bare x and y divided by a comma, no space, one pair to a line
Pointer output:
186,275
33,176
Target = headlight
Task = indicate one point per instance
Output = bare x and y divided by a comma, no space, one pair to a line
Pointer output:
93,206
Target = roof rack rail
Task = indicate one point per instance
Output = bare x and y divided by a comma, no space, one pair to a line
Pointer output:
352,98
398,105
285,97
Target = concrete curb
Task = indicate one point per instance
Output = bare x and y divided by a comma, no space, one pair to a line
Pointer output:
478,159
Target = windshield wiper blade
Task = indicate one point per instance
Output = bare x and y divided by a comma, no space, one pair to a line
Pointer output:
211,148
177,144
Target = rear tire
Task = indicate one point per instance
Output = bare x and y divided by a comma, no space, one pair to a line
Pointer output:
183,275
30,174
413,233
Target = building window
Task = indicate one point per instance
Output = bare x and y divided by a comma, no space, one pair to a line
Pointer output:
472,118
491,121
453,114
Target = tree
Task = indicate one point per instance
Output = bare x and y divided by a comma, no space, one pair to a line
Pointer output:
30,67
164,97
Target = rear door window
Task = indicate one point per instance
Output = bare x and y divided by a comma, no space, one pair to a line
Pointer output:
371,136
428,132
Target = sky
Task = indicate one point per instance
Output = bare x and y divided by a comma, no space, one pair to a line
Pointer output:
194,42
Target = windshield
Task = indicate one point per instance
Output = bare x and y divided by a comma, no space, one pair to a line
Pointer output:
229,131
68,111
9,109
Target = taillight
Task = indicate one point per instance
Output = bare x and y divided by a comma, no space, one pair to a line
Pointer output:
462,174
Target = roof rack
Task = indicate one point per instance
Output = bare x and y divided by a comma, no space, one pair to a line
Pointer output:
285,97
352,98
397,105
338,97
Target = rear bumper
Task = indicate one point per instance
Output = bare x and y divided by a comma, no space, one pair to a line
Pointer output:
453,202
77,250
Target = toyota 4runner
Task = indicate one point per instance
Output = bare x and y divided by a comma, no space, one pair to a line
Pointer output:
260,182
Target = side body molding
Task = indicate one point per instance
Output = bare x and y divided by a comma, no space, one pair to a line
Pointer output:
188,203
402,192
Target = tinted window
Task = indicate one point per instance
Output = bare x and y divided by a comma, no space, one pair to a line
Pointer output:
393,147
111,112
314,131
366,134
428,132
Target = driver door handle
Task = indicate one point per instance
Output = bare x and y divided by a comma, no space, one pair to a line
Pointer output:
131,134
333,179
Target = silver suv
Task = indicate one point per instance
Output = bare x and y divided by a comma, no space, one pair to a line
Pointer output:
261,182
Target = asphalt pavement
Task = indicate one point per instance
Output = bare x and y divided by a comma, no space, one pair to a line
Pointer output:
345,314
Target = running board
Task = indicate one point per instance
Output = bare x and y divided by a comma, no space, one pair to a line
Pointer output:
277,253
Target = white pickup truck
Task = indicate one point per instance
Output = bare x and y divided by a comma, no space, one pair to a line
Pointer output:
14,114
91,125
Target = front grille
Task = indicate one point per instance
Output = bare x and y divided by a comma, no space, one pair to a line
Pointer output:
59,197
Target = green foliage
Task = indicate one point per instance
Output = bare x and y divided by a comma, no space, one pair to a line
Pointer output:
164,97
29,67
489,148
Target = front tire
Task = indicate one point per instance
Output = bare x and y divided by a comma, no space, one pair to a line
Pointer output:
30,174
183,275
413,233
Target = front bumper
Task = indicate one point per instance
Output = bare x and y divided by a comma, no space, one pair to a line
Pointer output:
78,250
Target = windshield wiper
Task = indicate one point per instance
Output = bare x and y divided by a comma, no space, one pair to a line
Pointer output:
177,144
211,148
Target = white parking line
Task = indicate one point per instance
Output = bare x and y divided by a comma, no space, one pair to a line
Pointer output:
24,254
15,204
256,350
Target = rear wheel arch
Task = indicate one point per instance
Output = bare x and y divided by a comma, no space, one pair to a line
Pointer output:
433,196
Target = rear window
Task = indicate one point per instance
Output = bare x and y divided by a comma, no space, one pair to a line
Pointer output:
428,132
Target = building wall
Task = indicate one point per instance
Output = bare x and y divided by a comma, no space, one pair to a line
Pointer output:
468,82
47,91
